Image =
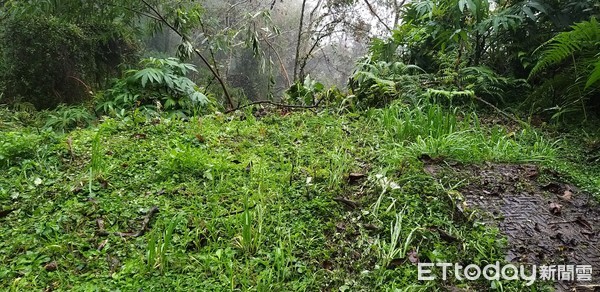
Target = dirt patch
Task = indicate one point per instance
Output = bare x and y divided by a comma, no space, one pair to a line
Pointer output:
547,223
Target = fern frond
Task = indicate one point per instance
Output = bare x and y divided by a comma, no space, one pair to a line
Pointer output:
583,35
595,75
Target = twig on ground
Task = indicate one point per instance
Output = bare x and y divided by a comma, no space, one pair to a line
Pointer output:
277,105
142,231
501,111
236,212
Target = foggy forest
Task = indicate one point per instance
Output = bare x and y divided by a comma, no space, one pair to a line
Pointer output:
300,145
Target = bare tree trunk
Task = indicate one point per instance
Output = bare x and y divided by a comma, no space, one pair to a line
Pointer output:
397,13
299,43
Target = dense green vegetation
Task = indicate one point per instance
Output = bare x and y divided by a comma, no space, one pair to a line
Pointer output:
126,168
244,202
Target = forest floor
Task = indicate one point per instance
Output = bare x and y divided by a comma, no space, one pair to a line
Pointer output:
293,201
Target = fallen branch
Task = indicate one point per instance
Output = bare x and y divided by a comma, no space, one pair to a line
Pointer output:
592,287
277,105
237,212
501,111
142,231
283,70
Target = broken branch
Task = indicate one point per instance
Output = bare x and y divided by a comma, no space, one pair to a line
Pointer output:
142,231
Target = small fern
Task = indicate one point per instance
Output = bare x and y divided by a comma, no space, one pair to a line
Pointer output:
577,51
376,83
489,84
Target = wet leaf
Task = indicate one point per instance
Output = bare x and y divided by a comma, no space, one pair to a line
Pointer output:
348,203
100,223
327,265
354,177
103,183
431,169
531,171
447,237
553,187
395,263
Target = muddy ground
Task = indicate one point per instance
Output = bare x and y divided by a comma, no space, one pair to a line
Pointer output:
547,221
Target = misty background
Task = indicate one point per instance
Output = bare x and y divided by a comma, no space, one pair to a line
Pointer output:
260,47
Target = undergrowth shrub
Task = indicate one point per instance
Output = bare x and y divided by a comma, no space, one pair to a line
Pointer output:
489,85
12,119
456,79
305,92
161,84
16,146
49,71
65,118
376,84
190,161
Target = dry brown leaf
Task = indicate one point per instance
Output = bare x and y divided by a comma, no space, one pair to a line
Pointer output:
555,208
354,177
568,195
